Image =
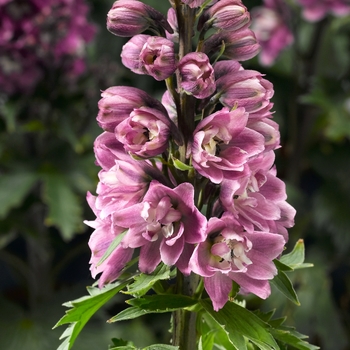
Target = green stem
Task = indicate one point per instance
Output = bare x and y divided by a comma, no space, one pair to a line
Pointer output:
184,321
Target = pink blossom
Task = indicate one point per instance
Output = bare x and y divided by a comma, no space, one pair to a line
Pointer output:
232,254
172,20
197,75
222,145
225,14
170,105
256,201
118,102
315,10
243,88
240,45
130,17
271,26
145,133
105,231
165,225
152,55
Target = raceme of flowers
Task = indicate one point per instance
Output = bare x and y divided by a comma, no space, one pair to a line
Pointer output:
189,181
38,35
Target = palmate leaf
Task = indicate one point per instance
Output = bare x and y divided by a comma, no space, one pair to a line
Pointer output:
239,322
14,187
65,211
83,309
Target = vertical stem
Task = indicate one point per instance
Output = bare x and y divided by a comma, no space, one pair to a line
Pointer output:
186,107
184,322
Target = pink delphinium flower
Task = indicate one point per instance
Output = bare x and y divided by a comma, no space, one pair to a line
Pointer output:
118,102
270,24
152,55
232,254
243,88
197,75
315,10
105,231
165,225
222,145
145,132
256,201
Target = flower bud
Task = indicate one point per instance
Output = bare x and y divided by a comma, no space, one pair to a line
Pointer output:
239,45
242,88
197,75
130,17
152,55
225,14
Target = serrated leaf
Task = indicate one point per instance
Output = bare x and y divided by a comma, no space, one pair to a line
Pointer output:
129,314
239,321
65,211
14,187
295,259
83,309
285,286
144,282
293,339
163,303
222,338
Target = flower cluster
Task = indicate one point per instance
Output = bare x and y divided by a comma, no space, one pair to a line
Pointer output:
37,35
190,181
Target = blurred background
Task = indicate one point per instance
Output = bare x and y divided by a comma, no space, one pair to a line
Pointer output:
55,58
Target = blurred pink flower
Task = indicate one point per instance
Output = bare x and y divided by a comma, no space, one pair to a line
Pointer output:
315,10
270,24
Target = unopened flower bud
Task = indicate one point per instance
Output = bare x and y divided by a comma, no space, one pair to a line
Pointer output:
240,45
225,14
130,17
197,75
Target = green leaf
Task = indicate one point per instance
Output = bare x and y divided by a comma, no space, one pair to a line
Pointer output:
293,338
14,187
181,166
130,313
111,247
143,282
65,211
295,259
163,303
238,322
83,309
222,338
285,286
